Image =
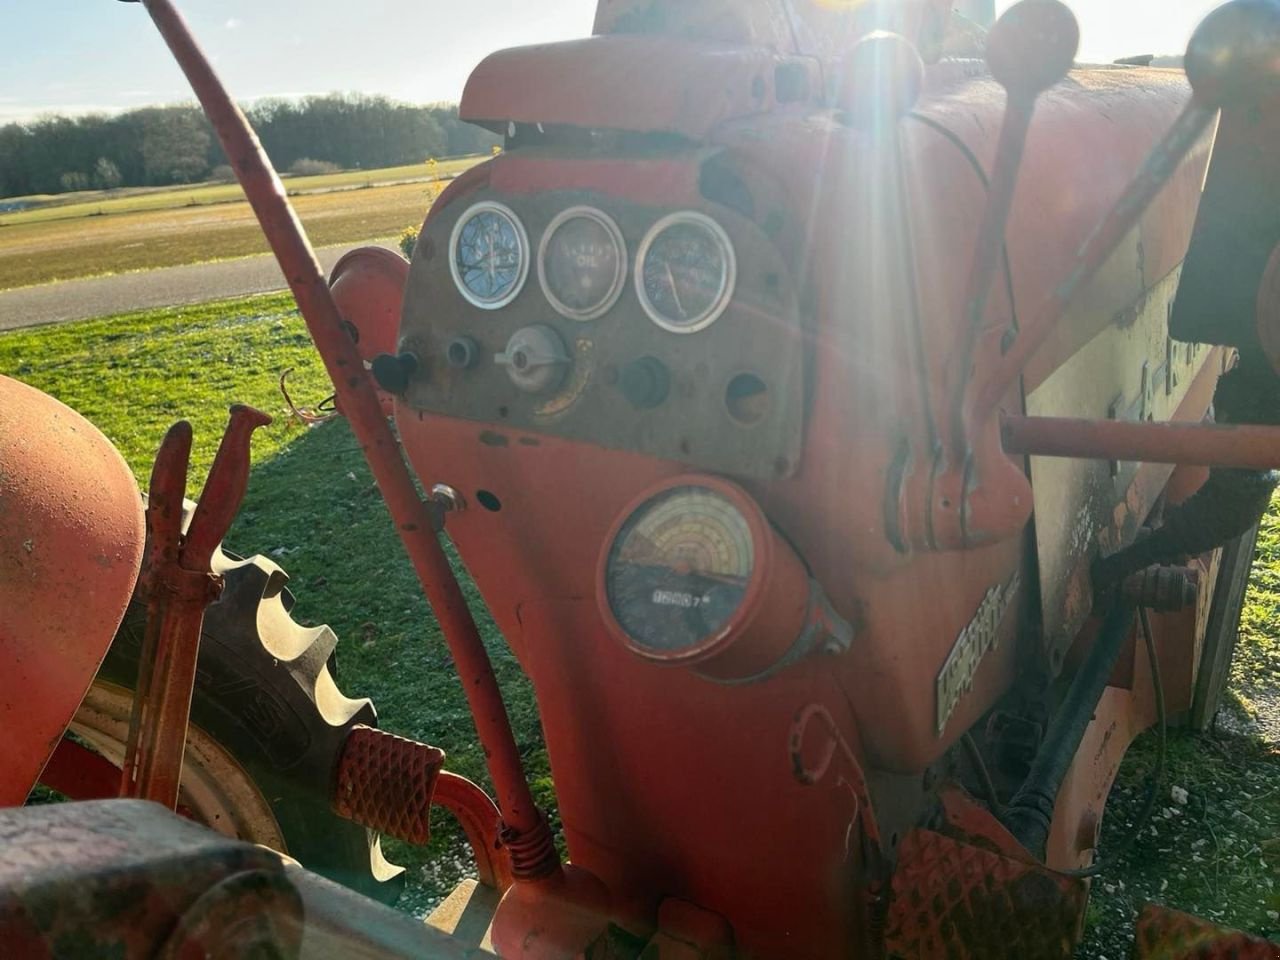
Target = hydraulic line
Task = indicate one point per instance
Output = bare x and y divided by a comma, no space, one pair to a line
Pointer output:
1030,813
1125,846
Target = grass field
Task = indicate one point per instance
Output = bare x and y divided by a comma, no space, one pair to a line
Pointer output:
313,507
101,203
207,223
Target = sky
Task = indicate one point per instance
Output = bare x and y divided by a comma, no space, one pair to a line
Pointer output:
77,56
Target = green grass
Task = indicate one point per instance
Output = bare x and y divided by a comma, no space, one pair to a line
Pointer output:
312,506
137,200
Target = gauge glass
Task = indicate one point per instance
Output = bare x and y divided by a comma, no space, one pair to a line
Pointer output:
679,569
489,255
686,273
582,263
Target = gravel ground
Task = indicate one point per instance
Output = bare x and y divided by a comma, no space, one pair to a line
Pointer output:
166,287
1210,846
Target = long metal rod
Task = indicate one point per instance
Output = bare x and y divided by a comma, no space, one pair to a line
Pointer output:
360,404
1193,444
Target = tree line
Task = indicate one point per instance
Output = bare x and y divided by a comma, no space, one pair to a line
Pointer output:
158,146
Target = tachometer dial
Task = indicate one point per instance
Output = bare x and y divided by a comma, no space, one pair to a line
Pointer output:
679,568
489,255
692,575
686,271
582,263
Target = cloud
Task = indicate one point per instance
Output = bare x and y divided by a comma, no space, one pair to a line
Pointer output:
234,24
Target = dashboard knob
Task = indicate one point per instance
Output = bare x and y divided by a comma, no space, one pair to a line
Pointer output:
535,358
645,382
393,372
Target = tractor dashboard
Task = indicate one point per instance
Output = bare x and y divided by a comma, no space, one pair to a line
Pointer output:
659,322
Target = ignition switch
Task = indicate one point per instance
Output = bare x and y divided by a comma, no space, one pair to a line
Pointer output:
535,358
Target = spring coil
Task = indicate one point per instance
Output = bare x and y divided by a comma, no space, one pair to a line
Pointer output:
533,853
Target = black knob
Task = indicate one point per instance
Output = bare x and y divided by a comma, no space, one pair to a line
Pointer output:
462,353
645,382
393,373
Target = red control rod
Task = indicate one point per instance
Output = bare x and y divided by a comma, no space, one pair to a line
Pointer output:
359,402
1193,444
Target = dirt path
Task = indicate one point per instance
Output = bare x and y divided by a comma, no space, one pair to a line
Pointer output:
165,287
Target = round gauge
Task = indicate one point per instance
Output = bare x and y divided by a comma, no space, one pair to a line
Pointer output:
489,255
679,568
686,270
582,263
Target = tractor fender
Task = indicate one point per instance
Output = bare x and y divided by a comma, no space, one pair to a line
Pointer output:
71,538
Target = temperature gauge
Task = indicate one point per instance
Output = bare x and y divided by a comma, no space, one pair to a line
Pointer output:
686,271
692,573
582,263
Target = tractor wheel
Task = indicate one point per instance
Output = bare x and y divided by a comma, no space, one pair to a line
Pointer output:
267,726
1222,629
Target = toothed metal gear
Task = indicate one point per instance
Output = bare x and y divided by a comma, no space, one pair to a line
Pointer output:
266,696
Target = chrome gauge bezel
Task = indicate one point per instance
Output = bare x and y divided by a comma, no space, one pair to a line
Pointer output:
620,249
522,237
728,279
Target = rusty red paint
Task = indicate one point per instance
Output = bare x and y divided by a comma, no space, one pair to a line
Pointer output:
1165,934
386,783
78,773
179,584
71,537
953,900
481,821
368,287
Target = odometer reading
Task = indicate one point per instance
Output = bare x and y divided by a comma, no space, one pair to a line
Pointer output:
686,272
679,569
489,255
582,263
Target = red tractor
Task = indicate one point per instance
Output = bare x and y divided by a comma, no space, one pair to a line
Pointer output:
856,420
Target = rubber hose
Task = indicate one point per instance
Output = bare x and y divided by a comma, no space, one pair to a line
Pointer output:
1030,813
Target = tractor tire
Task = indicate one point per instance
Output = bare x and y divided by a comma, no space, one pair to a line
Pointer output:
268,724
1222,629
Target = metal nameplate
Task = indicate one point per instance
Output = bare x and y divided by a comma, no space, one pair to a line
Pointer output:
975,641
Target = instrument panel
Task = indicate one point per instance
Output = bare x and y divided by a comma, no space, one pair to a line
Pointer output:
669,332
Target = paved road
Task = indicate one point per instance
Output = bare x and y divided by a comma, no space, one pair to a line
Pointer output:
166,287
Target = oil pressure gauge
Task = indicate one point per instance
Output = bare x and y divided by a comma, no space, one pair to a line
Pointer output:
582,263
693,574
